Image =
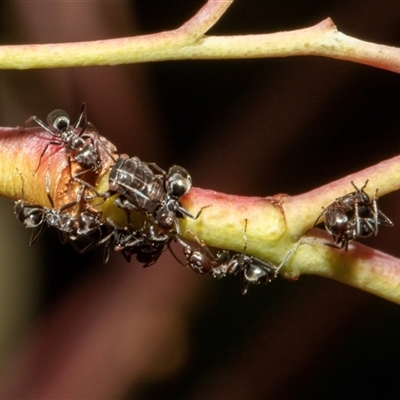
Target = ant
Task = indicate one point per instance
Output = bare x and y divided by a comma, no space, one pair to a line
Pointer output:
352,216
251,269
71,229
84,143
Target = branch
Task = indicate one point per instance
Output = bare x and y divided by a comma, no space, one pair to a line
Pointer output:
114,51
274,224
189,42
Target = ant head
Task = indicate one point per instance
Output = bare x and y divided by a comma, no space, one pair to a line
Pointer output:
178,181
59,120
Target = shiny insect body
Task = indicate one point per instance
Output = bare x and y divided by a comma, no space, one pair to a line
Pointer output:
353,216
177,183
83,228
32,216
147,243
252,270
140,188
150,245
82,231
146,188
81,140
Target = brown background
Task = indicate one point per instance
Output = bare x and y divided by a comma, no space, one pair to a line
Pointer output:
74,328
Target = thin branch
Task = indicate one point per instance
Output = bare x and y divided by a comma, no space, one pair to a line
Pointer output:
115,51
361,267
197,26
322,39
188,42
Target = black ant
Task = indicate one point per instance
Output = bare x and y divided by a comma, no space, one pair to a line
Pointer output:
352,216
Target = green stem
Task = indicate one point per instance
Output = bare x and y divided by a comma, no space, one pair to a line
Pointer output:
274,224
189,42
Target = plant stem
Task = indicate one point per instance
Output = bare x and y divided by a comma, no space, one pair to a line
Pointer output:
274,224
115,51
189,42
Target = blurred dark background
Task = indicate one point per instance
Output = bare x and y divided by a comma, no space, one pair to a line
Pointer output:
74,328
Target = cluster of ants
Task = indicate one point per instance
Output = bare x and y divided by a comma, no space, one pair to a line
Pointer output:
147,189
137,186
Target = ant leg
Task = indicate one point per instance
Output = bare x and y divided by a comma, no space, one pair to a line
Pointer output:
82,117
319,217
383,219
65,206
245,283
200,211
183,211
48,189
184,244
376,212
23,184
75,202
357,219
36,233
40,227
104,195
379,216
199,242
242,256
96,140
156,168
174,255
44,151
290,252
245,236
39,122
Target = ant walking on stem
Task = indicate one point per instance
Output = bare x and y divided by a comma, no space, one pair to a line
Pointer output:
149,190
156,195
81,139
352,216
147,242
251,269
85,226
